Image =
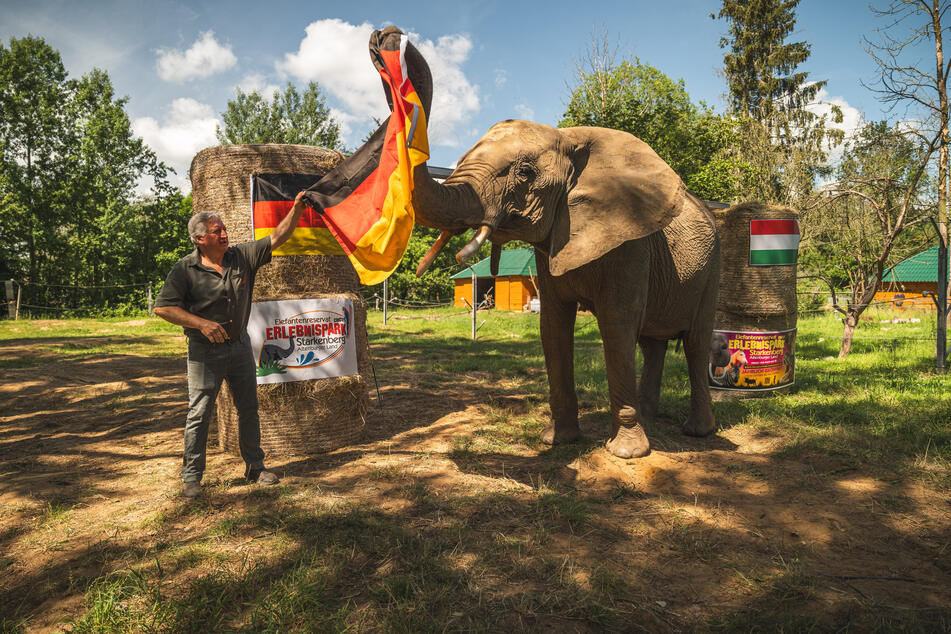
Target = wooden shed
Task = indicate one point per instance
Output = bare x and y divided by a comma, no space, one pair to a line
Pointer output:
911,282
513,287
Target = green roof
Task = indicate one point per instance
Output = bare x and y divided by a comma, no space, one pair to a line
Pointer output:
921,267
512,262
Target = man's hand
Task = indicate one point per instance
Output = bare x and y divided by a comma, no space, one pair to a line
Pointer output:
213,331
286,227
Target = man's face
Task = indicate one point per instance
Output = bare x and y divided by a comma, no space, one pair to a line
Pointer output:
215,238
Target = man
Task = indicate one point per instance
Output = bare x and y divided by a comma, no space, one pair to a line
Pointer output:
208,292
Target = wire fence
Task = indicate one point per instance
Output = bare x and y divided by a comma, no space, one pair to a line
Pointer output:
29,299
32,299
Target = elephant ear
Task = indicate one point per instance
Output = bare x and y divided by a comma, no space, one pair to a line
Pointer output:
621,191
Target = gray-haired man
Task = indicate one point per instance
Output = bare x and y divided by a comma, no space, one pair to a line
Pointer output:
208,292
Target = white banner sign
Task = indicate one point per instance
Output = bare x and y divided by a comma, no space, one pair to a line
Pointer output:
300,339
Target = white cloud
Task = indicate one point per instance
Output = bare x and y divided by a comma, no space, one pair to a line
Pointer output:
852,119
455,99
257,83
187,127
334,54
205,58
524,112
501,77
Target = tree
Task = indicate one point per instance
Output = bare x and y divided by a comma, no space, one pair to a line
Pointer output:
640,99
782,142
34,139
435,285
290,117
925,94
760,67
69,170
878,194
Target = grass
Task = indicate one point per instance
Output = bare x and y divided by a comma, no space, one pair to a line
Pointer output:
498,532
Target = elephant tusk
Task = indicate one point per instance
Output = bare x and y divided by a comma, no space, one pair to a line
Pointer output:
474,245
434,250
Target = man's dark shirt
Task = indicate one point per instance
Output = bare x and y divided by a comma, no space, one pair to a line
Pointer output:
225,297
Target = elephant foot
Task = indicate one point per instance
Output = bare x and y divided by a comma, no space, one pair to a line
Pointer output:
629,442
700,425
553,435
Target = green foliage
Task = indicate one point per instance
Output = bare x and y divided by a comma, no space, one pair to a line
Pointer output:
780,144
69,168
760,66
640,99
434,286
860,229
290,117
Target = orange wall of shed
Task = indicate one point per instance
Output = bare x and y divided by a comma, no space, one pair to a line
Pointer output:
511,292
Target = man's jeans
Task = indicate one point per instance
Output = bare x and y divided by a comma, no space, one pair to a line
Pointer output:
209,364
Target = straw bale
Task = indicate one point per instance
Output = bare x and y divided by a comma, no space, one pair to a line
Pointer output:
752,298
300,417
757,298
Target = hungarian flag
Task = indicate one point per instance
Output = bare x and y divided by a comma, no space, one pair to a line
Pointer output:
366,201
774,242
272,196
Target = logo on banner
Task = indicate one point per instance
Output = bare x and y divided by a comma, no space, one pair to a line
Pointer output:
752,360
295,340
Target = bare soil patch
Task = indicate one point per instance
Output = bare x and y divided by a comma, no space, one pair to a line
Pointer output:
724,532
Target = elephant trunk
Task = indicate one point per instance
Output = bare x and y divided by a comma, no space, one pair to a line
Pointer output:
452,207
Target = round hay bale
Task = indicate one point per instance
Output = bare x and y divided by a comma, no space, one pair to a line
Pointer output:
299,417
752,298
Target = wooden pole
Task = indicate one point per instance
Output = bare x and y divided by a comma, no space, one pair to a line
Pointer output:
148,298
475,302
11,302
386,299
19,294
941,345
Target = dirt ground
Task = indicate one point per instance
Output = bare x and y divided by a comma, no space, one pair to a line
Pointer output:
90,450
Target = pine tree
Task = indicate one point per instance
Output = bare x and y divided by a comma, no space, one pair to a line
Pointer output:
761,65
779,135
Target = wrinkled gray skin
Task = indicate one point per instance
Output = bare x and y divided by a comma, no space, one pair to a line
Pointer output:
615,231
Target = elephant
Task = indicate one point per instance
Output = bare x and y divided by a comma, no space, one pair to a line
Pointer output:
271,353
614,230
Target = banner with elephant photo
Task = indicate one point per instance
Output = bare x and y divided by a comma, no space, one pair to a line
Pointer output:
752,361
301,339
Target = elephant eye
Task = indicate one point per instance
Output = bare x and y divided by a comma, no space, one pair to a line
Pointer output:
525,172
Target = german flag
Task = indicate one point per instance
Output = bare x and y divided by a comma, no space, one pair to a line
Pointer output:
272,196
366,201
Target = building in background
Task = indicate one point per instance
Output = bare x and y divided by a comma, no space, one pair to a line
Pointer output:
513,288
912,282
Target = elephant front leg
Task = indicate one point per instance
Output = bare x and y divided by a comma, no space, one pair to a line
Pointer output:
700,421
619,333
558,336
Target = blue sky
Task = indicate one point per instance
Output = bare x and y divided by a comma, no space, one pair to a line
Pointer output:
179,62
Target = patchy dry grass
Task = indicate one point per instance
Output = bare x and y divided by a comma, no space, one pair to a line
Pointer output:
824,509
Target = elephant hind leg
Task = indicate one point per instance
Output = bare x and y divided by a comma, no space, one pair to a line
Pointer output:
700,420
654,351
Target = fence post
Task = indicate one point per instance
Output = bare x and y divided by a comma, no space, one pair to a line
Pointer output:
11,302
148,298
475,302
386,299
19,293
941,343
